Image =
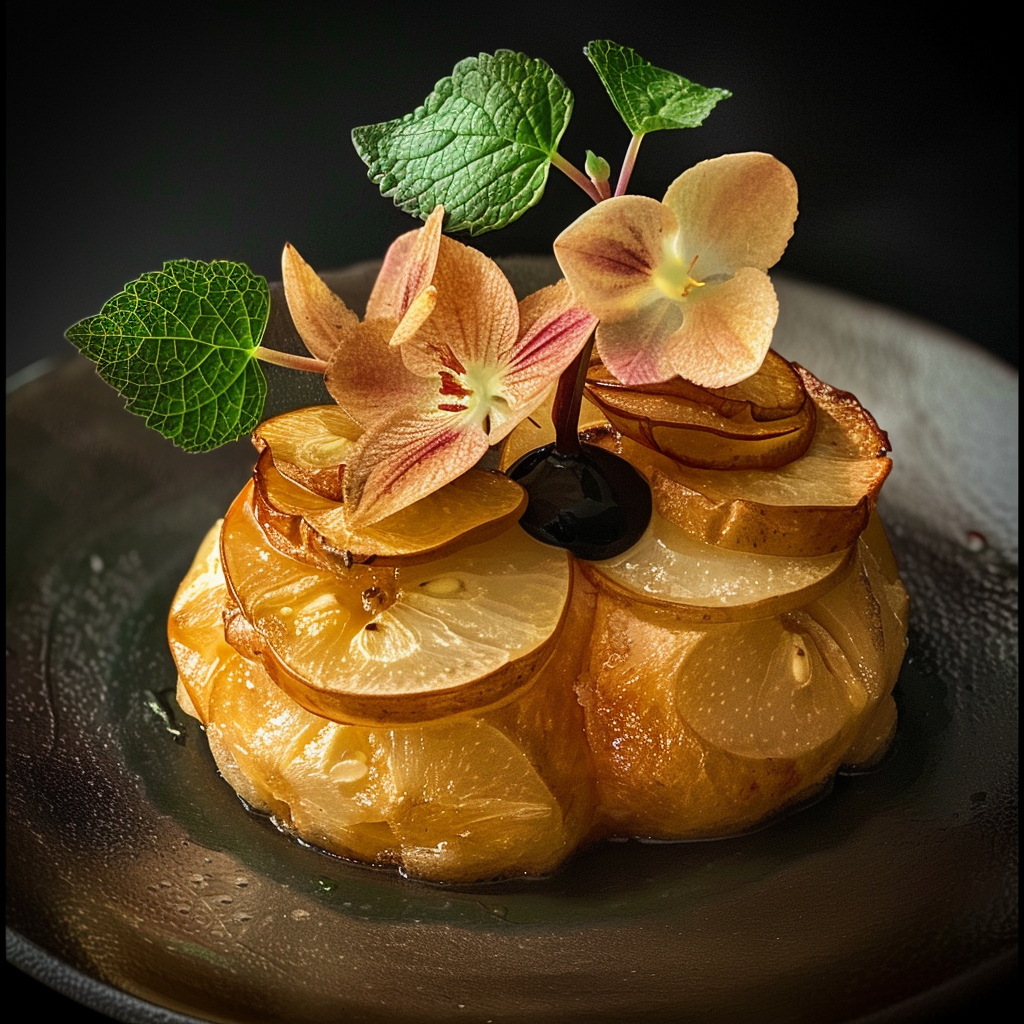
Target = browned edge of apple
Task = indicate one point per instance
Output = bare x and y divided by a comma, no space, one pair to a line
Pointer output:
490,690
705,447
798,531
325,480
296,537
765,608
713,428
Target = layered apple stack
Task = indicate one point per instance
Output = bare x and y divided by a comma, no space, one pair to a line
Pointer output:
441,692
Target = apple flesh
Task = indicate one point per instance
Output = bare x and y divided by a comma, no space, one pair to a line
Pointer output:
704,729
383,644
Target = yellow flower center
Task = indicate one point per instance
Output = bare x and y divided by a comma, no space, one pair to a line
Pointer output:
674,278
476,390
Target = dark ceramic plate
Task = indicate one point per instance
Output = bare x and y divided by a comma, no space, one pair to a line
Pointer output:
138,883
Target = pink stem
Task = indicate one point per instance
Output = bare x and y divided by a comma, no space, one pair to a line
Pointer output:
627,165
293,362
575,174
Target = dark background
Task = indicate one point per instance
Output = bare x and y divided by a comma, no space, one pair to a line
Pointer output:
222,131
146,133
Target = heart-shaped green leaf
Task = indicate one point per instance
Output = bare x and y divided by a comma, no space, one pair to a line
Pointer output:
647,97
178,344
481,144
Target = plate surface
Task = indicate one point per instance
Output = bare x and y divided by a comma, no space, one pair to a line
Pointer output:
138,883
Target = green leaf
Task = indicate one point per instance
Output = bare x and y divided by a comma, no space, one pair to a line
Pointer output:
481,144
647,97
178,344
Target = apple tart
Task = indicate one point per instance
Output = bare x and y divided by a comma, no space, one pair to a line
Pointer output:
440,691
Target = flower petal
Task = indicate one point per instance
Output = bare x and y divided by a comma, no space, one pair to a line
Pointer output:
727,331
412,320
320,317
408,268
734,211
368,378
476,317
610,253
634,349
553,329
406,457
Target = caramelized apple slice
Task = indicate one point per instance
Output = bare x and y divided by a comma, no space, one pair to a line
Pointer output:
310,446
378,644
699,582
314,529
817,504
764,421
704,729
507,790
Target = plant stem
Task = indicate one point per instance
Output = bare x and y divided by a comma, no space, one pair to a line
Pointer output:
568,398
627,165
293,362
575,174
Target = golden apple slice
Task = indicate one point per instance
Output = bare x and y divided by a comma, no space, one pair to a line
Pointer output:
707,729
379,644
310,446
671,570
764,421
504,791
814,505
315,529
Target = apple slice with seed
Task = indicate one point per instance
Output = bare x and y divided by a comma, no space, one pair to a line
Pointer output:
310,446
378,644
503,791
815,505
312,528
764,421
706,728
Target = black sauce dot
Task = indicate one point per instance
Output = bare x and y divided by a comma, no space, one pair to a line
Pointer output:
592,502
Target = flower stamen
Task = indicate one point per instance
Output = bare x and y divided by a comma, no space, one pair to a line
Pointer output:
451,386
691,281
448,358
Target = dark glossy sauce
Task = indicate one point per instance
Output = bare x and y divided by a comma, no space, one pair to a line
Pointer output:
592,502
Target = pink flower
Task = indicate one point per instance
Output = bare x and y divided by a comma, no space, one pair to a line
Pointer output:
445,364
680,286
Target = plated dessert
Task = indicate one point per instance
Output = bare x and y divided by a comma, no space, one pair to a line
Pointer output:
594,563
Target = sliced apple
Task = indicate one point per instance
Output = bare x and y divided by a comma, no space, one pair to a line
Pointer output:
315,529
814,505
671,570
764,421
310,446
702,729
378,644
504,791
